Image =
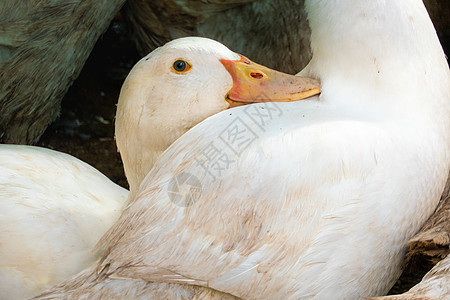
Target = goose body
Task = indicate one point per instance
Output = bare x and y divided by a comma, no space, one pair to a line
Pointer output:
54,208
314,199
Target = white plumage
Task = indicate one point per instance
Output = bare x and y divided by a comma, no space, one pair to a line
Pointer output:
54,208
322,200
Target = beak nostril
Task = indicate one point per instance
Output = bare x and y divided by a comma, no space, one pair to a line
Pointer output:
256,75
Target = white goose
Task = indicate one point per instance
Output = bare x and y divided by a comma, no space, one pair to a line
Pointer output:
157,104
314,199
54,207
53,210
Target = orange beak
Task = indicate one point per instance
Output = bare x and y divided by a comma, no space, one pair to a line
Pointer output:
254,83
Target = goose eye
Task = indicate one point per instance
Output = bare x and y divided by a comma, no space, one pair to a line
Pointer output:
181,66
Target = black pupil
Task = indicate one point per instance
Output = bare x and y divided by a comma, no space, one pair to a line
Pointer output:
179,65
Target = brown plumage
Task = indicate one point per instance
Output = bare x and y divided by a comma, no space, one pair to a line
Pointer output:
433,243
43,46
272,32
434,285
433,240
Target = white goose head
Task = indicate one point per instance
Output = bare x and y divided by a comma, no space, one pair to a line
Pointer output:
182,83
